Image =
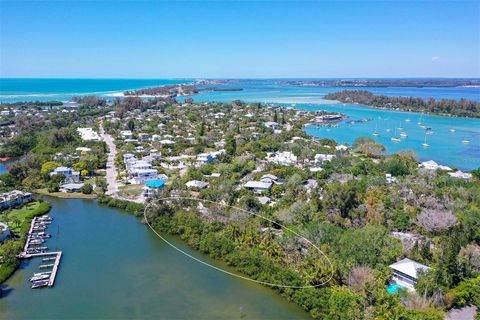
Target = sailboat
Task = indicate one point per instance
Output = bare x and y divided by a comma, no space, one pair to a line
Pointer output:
420,120
375,133
425,144
395,139
403,134
407,120
452,130
465,141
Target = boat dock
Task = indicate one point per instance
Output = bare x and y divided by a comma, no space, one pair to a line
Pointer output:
32,250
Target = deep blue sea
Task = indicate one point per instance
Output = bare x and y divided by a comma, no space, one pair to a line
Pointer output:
446,146
12,90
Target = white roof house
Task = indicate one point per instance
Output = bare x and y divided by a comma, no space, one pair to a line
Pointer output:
341,147
460,175
284,158
258,185
272,124
432,165
406,272
320,157
87,134
197,184
83,149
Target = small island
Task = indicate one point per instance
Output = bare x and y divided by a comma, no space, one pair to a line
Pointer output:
444,107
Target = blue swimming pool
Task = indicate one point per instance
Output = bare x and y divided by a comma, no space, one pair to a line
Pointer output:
393,288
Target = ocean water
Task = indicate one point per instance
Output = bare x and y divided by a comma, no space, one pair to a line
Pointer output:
13,90
446,147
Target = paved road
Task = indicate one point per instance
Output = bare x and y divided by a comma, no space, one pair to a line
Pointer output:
111,177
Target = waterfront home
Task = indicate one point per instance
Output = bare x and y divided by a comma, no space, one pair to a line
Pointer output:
285,158
14,198
460,175
196,184
71,187
4,232
258,186
406,273
432,165
70,174
88,134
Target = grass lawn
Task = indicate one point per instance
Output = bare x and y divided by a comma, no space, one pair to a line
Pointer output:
23,212
132,190
65,195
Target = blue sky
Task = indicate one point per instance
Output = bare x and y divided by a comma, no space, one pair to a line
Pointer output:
158,39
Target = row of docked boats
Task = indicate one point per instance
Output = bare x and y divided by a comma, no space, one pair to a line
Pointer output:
36,238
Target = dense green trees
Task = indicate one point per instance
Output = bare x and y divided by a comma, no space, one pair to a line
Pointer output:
461,108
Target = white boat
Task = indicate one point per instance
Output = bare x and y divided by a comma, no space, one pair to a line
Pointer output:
40,277
375,134
429,132
395,139
407,120
465,141
452,130
403,134
425,144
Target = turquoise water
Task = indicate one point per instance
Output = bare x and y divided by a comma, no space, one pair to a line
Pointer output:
12,90
394,288
446,147
114,267
269,90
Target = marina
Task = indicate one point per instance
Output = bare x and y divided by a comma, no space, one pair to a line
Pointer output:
33,250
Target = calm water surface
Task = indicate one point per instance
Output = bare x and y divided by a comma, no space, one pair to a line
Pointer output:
115,267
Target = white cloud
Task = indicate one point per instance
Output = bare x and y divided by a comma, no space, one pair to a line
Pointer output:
435,58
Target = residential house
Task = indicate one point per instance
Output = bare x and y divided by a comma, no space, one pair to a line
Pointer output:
272,125
460,175
196,184
406,273
88,134
71,187
320,157
70,174
285,158
14,198
432,165
258,186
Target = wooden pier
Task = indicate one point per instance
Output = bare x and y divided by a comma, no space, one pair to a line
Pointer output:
57,254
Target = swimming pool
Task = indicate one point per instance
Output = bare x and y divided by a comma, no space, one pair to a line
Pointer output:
394,288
